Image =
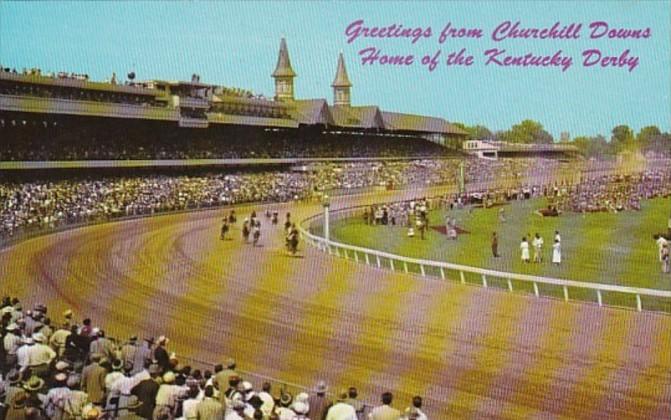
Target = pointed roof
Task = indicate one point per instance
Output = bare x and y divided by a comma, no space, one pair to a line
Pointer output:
283,68
313,111
357,116
341,79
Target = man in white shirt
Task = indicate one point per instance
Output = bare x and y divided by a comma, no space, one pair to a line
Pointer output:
538,248
341,410
661,241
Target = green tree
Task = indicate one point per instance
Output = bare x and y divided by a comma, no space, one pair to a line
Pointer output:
622,138
528,131
475,132
646,135
592,146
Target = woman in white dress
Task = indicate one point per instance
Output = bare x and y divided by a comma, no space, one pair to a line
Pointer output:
524,246
556,252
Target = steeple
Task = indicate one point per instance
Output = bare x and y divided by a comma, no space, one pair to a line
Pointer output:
284,74
341,84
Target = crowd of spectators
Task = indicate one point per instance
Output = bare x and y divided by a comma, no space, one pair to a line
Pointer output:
616,192
27,206
68,371
33,143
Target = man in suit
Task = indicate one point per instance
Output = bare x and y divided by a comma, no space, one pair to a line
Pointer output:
146,391
93,380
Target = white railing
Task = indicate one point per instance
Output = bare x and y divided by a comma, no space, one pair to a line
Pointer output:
658,300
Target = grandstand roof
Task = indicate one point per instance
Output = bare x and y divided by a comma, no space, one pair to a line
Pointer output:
357,116
398,121
313,111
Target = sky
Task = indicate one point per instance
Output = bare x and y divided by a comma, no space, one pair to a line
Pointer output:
236,44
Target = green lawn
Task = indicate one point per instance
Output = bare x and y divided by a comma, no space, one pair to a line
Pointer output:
599,247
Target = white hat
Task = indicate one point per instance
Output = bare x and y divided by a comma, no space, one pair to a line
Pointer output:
302,397
39,337
12,327
300,408
246,386
95,331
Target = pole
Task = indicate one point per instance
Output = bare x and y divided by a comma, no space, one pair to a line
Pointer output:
462,186
327,232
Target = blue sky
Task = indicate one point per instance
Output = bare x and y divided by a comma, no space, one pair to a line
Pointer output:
235,44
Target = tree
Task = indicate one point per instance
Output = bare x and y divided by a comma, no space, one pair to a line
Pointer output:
622,138
646,135
592,146
475,132
528,131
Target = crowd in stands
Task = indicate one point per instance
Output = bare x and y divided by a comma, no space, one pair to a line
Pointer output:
37,144
27,206
68,371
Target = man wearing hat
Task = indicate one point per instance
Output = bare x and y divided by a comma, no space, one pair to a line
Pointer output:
132,405
283,411
301,410
237,410
146,391
318,402
53,401
168,393
161,354
58,338
129,349
15,395
101,344
40,356
232,393
23,352
93,380
11,343
341,410
209,408
73,405
223,376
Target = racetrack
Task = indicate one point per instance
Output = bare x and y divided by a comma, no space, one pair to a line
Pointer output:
472,352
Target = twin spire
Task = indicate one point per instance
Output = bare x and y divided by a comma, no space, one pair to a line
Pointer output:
284,78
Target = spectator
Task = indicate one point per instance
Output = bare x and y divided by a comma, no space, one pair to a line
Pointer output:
385,411
93,380
209,408
342,410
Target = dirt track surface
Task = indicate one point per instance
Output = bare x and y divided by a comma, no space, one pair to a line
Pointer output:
471,352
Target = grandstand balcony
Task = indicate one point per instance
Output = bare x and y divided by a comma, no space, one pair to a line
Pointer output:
196,103
15,103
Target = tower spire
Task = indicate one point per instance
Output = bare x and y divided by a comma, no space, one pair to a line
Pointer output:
284,74
341,84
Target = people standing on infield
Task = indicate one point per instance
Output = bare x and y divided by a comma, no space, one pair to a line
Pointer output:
495,245
224,229
538,248
556,252
666,259
524,247
661,242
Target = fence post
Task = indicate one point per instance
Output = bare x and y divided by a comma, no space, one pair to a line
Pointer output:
484,281
639,305
336,251
462,278
405,266
356,256
379,265
391,264
536,289
598,297
367,260
510,285
421,269
565,294
345,251
442,273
